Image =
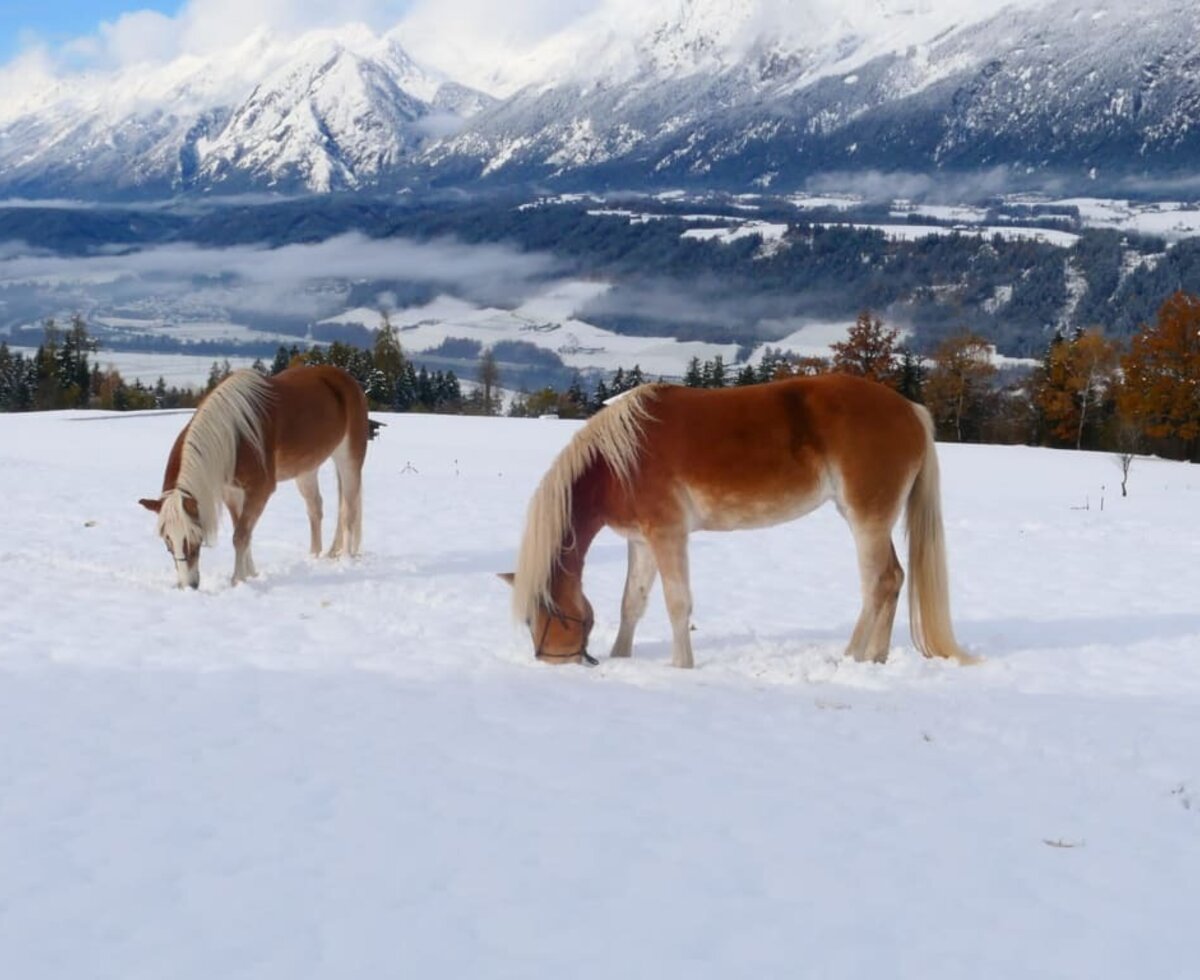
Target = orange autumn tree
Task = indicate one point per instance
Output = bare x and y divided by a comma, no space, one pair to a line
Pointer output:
1075,383
958,386
868,351
1160,390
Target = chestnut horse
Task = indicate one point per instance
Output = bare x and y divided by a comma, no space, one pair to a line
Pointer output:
248,434
664,461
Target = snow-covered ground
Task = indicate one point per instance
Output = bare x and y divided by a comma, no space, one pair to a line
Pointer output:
1169,219
357,769
914,232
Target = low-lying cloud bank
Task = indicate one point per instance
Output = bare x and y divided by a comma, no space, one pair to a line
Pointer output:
308,280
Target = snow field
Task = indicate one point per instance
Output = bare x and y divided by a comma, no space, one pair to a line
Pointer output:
356,768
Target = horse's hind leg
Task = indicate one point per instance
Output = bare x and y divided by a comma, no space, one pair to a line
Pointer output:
670,552
348,535
310,490
882,577
638,582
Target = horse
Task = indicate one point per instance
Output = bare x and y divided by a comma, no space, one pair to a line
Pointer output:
665,460
248,434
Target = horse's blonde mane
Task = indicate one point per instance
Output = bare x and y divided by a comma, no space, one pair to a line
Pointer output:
614,436
231,412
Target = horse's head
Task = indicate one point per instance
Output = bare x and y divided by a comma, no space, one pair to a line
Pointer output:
181,531
560,635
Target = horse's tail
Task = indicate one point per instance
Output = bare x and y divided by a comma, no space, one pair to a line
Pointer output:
928,580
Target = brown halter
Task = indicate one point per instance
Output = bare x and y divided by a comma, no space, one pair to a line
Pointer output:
581,655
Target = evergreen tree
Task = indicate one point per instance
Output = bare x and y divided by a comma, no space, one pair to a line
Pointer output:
693,377
404,396
911,376
218,373
602,394
282,359
424,391
575,401
713,373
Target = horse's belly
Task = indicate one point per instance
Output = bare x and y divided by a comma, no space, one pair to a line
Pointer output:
737,511
289,465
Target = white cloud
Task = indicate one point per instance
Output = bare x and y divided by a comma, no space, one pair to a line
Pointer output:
478,41
497,46
144,35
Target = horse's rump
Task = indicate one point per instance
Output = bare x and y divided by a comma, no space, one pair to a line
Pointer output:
315,409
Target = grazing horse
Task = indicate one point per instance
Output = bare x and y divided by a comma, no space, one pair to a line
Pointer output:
663,461
248,434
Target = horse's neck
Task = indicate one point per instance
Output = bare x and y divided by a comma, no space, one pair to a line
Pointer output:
175,460
588,516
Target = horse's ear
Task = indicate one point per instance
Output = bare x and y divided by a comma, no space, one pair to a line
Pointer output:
508,577
192,508
154,505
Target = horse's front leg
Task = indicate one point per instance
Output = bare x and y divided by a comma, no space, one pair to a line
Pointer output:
253,504
670,552
639,580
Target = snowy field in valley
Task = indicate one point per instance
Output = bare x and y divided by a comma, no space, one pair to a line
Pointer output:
177,370
356,769
548,319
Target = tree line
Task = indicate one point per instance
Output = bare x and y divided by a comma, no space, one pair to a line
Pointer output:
1088,392
63,373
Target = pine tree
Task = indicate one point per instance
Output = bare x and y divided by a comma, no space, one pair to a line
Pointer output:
911,376
601,395
575,402
282,360
693,377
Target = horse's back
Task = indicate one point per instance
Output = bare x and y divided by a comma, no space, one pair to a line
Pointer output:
761,454
317,408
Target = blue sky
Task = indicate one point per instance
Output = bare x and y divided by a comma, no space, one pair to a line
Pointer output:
60,20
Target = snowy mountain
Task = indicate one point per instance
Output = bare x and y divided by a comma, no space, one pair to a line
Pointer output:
730,94
676,91
332,110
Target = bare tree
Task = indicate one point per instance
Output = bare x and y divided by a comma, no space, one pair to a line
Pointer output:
489,379
1129,444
